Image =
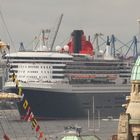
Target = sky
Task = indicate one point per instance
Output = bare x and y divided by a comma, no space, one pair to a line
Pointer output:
26,18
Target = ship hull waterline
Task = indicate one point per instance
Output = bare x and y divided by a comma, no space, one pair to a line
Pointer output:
47,105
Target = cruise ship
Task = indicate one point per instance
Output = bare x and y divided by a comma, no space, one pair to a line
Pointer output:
70,83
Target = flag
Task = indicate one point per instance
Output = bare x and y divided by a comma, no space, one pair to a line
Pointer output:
27,113
34,123
31,116
37,128
40,135
19,90
25,104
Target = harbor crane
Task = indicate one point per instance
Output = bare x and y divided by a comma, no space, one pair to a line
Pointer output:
131,45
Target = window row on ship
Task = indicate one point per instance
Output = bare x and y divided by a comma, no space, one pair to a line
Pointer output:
70,72
36,72
45,72
72,63
40,77
125,76
94,64
21,66
97,66
40,58
101,63
71,67
23,76
61,71
38,67
93,68
38,62
93,72
49,72
34,66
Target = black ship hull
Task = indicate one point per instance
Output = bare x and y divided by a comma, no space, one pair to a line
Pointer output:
60,105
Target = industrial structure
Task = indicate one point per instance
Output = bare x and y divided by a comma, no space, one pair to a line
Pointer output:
125,50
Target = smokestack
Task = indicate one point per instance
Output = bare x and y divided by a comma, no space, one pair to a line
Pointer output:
77,38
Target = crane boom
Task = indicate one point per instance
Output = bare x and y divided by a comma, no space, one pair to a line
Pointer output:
59,22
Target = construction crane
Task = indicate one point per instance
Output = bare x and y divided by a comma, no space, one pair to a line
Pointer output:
56,31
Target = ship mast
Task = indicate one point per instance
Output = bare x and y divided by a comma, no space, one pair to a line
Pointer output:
96,37
43,37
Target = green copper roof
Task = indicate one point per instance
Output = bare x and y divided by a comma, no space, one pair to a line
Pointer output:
71,138
82,137
135,75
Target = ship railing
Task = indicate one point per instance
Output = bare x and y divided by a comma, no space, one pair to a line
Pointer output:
101,85
37,84
66,82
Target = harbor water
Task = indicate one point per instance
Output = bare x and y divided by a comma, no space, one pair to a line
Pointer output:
16,129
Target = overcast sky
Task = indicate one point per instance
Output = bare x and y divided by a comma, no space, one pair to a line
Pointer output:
25,18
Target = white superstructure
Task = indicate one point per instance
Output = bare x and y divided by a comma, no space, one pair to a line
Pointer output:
39,66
